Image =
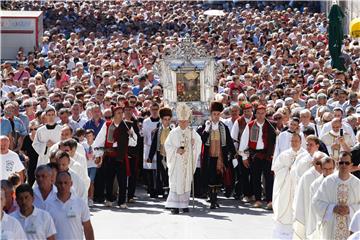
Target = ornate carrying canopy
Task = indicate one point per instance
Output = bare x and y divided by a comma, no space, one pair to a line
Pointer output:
188,73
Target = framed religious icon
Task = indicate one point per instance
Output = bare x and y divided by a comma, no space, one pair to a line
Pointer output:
188,74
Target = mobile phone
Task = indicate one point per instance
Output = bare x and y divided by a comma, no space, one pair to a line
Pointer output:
341,132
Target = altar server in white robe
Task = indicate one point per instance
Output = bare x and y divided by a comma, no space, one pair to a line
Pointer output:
336,201
284,138
327,168
149,125
46,136
284,189
183,147
302,196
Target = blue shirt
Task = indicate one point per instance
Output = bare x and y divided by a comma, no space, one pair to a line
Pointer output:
91,125
19,126
5,127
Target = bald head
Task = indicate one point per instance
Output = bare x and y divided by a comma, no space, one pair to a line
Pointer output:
4,144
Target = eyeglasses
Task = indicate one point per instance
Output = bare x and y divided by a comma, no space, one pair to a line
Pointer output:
33,129
344,163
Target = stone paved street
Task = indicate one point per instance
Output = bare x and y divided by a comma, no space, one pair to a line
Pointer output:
147,218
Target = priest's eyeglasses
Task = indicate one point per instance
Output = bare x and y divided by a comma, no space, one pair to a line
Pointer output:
344,163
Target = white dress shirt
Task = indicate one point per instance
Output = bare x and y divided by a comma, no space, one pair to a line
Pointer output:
69,216
38,225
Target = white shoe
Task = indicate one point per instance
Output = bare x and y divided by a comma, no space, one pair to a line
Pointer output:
123,206
90,203
108,203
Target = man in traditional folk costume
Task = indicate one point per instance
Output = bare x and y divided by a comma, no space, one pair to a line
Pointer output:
256,148
284,188
115,136
182,147
243,183
302,196
218,153
157,150
337,199
327,168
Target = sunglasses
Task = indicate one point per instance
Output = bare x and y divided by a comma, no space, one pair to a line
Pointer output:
107,118
33,129
318,163
27,106
344,163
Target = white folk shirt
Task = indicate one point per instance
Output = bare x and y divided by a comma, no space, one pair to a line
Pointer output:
327,197
39,201
101,138
10,163
11,228
234,132
302,202
38,225
68,217
244,141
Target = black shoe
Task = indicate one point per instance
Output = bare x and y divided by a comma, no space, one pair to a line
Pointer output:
212,206
185,210
175,211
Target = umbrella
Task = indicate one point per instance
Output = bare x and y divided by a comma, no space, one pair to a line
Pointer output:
214,12
336,35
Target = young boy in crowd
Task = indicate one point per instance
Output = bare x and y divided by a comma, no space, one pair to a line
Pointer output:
92,164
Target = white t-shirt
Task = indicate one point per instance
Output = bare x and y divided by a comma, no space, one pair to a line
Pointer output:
90,155
69,216
11,228
355,222
10,163
39,225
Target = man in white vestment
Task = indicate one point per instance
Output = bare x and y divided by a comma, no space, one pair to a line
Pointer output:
182,146
336,201
284,138
284,189
337,139
302,196
327,168
46,136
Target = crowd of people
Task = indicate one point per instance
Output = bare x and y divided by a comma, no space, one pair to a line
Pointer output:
87,108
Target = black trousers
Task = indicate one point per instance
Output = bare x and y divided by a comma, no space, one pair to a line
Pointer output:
31,170
212,175
243,180
99,183
162,178
132,178
118,169
258,167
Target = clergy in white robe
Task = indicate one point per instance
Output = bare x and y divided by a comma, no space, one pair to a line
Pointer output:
302,197
284,189
182,146
336,201
305,160
284,138
46,136
312,226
